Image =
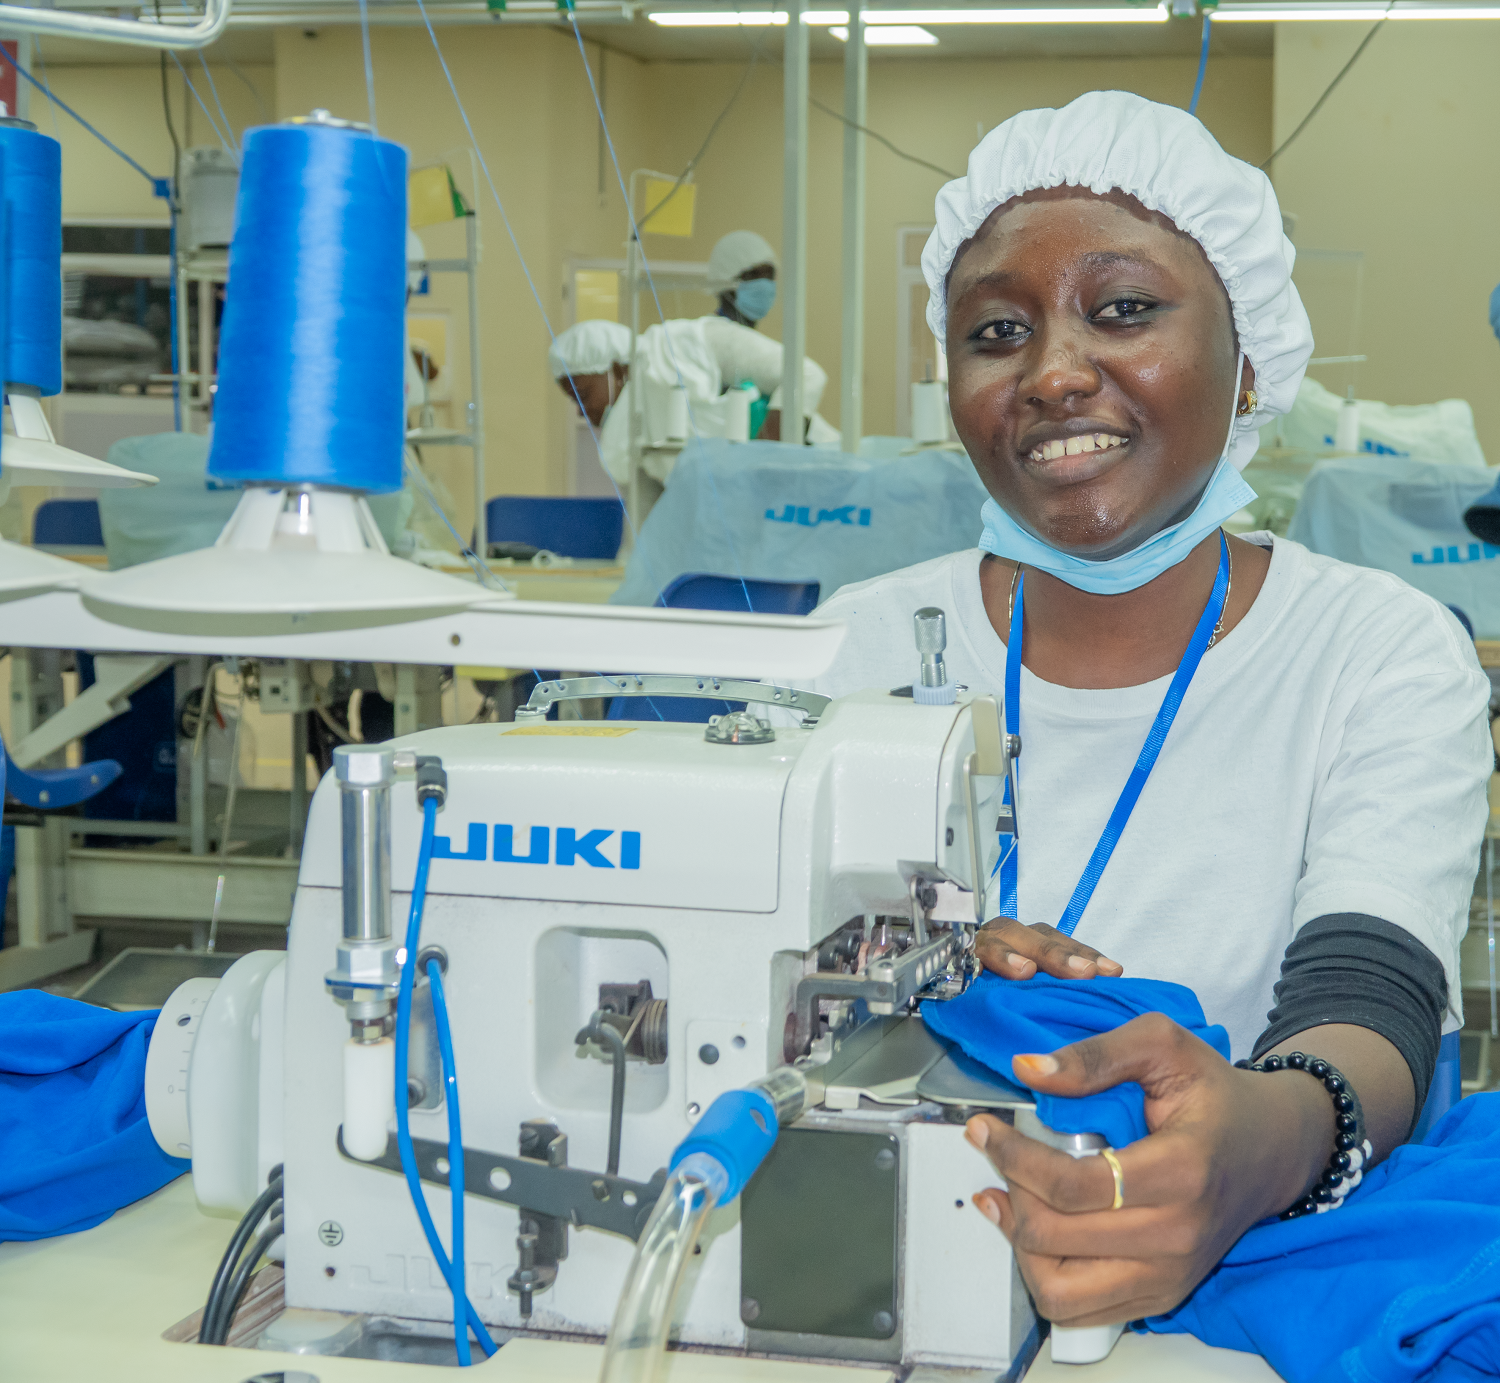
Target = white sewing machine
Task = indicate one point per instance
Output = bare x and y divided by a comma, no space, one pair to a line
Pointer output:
726,899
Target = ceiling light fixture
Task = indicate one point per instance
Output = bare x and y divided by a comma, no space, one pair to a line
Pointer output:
877,19
890,36
1286,11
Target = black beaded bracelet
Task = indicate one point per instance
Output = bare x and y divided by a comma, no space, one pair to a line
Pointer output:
1351,1149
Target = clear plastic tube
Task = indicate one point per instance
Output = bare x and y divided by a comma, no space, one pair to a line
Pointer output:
638,1334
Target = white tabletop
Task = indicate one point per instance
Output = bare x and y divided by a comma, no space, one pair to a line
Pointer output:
94,1305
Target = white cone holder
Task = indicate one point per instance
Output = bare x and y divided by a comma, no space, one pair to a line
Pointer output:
25,571
30,454
289,560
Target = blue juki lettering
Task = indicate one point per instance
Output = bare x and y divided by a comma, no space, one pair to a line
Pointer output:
1435,560
571,846
505,846
864,518
630,849
442,847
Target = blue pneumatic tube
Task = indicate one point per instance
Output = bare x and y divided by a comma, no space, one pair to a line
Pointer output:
463,1308
311,375
32,183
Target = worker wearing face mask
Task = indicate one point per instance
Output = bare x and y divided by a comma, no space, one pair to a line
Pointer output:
742,272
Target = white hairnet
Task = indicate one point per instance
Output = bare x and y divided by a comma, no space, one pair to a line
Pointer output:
1167,161
736,252
589,348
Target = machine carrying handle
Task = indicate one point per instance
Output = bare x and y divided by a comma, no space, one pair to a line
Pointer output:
548,694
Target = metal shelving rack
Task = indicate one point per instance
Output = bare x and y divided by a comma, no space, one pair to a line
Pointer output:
473,434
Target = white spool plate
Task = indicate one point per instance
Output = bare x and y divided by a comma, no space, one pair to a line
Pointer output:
32,461
285,563
25,571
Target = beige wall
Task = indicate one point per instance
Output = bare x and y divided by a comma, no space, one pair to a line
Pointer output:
1400,163
532,113
932,109
126,104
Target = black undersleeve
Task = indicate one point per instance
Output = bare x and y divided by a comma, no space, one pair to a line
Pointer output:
1348,967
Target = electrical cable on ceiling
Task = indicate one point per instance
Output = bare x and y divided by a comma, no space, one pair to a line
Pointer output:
1328,91
865,129
63,106
1202,65
713,129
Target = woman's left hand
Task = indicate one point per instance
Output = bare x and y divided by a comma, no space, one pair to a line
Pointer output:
1226,1148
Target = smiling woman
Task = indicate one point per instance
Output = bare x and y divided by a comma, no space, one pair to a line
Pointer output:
1252,771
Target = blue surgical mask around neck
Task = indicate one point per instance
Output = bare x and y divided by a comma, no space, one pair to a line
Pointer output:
1226,493
754,298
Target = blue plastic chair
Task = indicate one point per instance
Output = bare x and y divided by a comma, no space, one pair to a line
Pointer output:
44,790
67,523
571,526
1446,1089
705,591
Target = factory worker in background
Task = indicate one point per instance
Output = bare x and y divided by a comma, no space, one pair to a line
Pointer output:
1116,297
742,272
591,363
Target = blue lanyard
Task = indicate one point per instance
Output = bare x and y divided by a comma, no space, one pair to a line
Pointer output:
1008,867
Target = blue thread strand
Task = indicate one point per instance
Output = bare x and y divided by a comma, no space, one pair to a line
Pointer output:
234,147
224,143
364,34
635,232
63,106
32,182
1202,67
311,364
521,259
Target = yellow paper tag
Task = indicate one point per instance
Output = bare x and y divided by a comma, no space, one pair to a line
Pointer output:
573,727
429,196
667,212
597,295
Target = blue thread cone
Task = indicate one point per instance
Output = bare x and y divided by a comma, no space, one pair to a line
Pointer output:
32,182
311,374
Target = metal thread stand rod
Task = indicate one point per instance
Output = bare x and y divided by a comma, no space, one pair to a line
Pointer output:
794,225
856,85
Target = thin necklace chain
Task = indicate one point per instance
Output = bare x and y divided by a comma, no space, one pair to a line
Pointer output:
1015,576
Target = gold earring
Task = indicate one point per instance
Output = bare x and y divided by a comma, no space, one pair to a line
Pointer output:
1248,401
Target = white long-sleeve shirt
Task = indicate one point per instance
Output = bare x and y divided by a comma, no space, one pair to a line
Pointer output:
708,355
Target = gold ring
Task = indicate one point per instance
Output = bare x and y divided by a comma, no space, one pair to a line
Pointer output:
1108,1154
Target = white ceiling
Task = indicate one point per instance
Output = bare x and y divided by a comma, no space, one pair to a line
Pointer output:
642,39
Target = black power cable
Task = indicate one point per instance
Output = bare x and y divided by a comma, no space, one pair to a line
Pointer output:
253,1216
866,130
239,1284
1328,90
601,1032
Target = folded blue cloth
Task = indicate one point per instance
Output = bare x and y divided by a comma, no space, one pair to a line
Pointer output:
1402,1283
74,1142
995,1020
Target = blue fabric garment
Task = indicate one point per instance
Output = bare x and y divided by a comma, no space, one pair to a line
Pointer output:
74,1142
995,1020
1495,311
1226,494
769,512
1401,1284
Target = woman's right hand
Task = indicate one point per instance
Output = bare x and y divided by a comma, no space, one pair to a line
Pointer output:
1015,951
